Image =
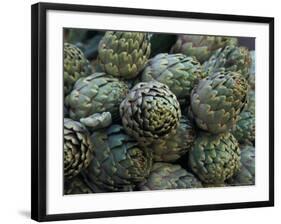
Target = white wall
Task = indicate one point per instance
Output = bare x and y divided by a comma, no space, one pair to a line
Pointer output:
15,110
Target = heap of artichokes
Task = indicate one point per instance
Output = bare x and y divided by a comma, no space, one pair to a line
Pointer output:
201,47
150,112
215,158
177,71
153,111
119,163
96,93
217,101
123,54
75,66
169,176
77,148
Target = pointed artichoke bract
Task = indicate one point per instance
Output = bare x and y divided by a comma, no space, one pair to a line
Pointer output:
75,66
201,46
177,71
215,158
150,111
217,101
77,148
246,175
229,58
96,93
244,130
118,161
123,54
169,176
176,145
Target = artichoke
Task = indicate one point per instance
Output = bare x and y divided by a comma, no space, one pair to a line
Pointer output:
75,66
150,112
229,58
118,162
123,54
215,158
199,46
217,101
172,148
96,93
251,104
97,121
77,148
246,175
177,71
251,78
244,130
169,176
76,185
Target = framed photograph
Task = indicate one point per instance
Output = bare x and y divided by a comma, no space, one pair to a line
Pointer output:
139,111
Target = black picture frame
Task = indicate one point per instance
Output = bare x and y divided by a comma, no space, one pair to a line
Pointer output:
39,122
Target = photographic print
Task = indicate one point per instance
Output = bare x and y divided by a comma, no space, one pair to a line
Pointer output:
149,111
157,111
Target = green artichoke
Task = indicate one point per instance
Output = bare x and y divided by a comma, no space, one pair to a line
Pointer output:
150,112
97,121
169,176
124,54
96,93
77,148
118,162
246,175
178,72
217,101
176,145
199,46
75,66
215,158
244,130
229,58
76,185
